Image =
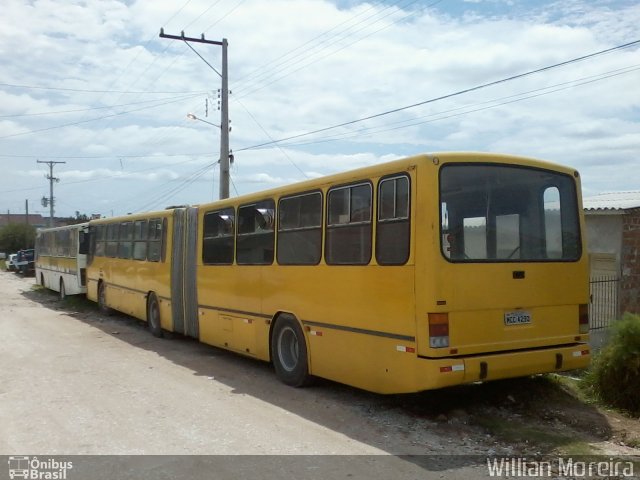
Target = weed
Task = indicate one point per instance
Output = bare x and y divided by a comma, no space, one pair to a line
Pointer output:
614,376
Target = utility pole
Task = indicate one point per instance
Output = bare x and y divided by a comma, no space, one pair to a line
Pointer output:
26,207
224,107
51,179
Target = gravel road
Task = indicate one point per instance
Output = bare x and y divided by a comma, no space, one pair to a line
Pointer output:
76,382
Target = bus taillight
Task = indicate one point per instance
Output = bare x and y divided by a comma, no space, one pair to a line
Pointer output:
583,314
438,330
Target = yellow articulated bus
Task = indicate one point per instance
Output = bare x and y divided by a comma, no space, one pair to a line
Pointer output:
421,273
61,259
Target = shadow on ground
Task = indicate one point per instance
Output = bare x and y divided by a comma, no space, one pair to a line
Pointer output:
526,416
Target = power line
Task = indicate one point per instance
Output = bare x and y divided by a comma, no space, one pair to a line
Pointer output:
270,137
113,156
275,64
173,190
81,90
279,74
59,112
375,130
94,119
105,177
450,95
229,12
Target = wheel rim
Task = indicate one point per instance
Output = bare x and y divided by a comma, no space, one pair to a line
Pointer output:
288,349
153,314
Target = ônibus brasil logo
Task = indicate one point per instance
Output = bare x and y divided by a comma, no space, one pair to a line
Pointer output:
36,469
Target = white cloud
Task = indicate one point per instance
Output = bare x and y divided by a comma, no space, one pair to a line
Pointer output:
332,64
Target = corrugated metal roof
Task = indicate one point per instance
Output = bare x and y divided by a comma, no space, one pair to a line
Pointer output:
612,201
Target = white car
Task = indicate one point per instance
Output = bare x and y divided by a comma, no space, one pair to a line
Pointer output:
10,262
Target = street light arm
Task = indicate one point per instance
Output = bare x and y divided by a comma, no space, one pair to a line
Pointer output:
191,116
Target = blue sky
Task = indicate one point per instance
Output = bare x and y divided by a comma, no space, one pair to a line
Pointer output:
90,83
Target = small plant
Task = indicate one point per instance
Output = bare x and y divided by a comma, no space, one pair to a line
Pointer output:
614,376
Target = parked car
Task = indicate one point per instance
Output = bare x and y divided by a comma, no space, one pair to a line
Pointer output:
11,266
25,262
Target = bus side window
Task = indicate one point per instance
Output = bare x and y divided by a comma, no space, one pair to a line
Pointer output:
256,235
393,233
112,240
154,243
83,242
99,237
140,240
348,239
218,237
125,245
300,229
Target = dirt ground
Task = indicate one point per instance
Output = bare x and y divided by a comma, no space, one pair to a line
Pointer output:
75,381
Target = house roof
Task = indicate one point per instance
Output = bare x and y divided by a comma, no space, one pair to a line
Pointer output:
612,201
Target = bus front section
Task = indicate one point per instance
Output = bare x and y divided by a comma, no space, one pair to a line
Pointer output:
510,289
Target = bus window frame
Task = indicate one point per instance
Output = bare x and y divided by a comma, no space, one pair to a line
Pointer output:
280,230
541,189
231,236
395,220
267,232
330,227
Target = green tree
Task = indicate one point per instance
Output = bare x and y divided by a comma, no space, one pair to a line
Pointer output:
17,236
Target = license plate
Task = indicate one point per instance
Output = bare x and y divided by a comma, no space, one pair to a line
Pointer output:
517,318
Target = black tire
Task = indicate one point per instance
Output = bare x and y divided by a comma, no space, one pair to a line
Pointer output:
62,294
42,280
102,299
289,352
153,316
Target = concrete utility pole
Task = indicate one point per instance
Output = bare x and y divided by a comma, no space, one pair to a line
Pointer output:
224,107
51,179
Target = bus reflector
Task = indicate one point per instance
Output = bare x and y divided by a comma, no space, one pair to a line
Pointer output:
452,368
402,348
583,313
580,353
438,330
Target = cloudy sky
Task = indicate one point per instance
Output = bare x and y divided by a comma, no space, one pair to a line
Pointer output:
91,83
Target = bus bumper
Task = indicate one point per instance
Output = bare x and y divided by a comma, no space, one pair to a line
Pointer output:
455,371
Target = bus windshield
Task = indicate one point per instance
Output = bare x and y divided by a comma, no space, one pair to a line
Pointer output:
498,213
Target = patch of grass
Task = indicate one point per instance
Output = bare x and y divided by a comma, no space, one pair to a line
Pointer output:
40,290
514,431
78,303
571,385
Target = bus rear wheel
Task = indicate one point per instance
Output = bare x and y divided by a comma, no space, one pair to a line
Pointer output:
62,294
289,352
102,299
42,280
153,315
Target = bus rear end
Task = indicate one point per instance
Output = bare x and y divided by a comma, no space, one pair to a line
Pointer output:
510,289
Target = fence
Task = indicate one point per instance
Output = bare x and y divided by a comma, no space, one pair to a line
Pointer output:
604,307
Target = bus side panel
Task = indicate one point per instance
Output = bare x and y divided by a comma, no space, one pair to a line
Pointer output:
355,316
230,313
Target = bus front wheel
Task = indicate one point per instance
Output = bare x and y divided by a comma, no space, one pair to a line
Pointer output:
153,316
289,352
